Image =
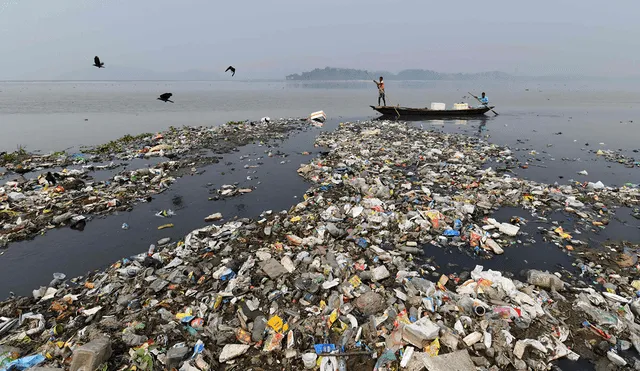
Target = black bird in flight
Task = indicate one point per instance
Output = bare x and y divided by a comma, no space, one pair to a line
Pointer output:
165,97
97,63
233,70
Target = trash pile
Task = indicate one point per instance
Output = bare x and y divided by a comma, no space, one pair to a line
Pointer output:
442,190
29,207
618,157
338,282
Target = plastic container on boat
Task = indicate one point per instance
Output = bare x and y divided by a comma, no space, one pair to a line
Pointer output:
460,106
438,106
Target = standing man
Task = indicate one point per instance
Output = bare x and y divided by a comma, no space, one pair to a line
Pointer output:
381,91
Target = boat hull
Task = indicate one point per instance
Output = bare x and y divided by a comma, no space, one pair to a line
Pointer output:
425,112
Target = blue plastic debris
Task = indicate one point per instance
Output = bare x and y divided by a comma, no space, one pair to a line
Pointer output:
187,319
457,224
451,233
24,363
324,348
227,275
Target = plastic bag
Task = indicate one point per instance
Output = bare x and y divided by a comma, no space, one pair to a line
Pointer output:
24,362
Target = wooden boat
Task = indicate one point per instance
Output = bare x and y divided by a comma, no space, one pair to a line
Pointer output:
426,112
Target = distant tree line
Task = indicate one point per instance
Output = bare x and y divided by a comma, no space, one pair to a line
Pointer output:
332,73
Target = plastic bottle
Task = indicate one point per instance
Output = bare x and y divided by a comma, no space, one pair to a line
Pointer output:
342,364
152,249
409,249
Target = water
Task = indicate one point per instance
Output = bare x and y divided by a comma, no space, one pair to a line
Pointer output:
51,116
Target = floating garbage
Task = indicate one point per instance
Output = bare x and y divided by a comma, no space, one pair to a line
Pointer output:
27,205
342,280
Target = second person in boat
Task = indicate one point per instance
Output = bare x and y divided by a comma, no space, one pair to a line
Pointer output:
484,99
380,85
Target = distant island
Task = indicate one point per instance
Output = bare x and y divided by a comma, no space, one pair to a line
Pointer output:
332,73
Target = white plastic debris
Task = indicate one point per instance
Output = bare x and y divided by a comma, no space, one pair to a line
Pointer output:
380,273
509,229
494,246
521,346
420,331
472,338
616,359
287,263
231,351
406,357
596,185
213,217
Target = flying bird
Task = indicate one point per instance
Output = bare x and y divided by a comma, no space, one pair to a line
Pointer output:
97,63
233,70
165,97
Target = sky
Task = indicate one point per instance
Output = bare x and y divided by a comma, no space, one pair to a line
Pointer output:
44,39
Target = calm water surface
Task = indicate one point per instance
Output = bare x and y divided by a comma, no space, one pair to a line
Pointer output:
51,115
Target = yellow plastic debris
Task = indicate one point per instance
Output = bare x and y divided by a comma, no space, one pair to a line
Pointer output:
433,349
275,323
355,281
562,233
186,313
333,317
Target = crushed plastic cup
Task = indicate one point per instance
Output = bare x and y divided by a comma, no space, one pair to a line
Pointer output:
309,360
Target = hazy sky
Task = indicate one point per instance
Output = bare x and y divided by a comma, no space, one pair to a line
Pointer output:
41,39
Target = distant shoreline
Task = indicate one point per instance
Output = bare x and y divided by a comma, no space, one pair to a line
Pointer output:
332,73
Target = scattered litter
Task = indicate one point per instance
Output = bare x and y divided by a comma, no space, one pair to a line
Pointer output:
344,276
